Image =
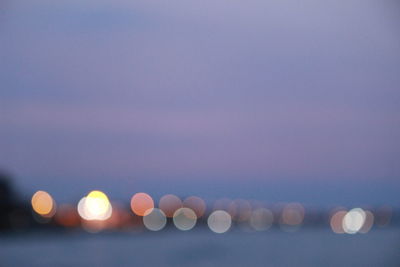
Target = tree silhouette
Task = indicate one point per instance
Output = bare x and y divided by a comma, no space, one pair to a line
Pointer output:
7,203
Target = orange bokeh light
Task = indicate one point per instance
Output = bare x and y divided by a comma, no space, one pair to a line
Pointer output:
43,204
140,203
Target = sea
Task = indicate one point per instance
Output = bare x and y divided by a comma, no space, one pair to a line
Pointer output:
201,247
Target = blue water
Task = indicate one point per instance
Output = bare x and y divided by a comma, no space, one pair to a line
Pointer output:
203,248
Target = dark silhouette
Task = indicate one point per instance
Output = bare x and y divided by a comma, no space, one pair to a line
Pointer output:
6,200
14,214
5,188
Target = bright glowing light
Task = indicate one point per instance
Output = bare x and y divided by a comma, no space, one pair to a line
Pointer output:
368,223
81,209
336,221
261,219
154,219
219,221
169,204
196,204
140,203
353,220
95,206
184,219
43,204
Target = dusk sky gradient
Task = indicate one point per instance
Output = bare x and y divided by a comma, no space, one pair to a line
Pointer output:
273,100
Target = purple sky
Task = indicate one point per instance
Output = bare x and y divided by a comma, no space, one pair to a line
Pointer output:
206,97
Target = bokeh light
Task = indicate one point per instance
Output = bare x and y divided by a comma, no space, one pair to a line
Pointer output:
95,206
140,203
219,221
169,204
368,222
353,220
336,221
154,219
184,219
81,209
43,204
240,210
196,204
95,212
261,219
292,214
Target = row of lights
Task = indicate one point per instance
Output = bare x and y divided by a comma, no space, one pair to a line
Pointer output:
96,208
95,211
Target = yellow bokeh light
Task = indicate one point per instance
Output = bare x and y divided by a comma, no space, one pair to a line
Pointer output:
97,203
43,204
95,206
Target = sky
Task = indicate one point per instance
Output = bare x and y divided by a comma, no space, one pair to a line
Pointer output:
273,100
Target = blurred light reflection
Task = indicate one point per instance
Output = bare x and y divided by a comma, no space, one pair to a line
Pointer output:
368,222
353,220
43,204
140,203
336,221
219,221
154,219
169,204
261,219
196,204
95,206
184,219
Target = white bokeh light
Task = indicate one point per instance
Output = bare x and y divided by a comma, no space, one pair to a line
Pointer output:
353,220
184,219
219,221
154,219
